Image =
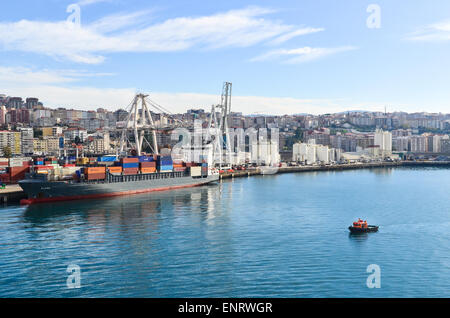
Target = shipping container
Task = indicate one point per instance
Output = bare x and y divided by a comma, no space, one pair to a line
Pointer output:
130,165
129,160
95,176
196,171
89,170
166,168
44,168
128,171
146,159
148,170
115,169
107,159
147,165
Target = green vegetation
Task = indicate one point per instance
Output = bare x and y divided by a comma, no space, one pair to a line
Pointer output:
7,152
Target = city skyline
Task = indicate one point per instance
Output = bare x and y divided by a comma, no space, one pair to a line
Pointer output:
284,58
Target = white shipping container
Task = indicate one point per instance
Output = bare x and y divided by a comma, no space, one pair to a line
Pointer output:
196,171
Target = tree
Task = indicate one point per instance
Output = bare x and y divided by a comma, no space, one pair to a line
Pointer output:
7,152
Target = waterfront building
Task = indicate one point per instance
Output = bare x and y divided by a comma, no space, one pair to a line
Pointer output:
383,139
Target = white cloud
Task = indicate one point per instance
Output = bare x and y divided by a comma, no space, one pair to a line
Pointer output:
300,55
88,2
119,33
436,32
288,36
61,88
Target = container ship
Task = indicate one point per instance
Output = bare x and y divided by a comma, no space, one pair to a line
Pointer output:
47,181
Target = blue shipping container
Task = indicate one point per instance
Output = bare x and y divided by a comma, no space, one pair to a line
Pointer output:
107,159
131,165
146,159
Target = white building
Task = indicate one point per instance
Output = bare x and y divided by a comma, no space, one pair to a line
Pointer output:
311,153
383,139
265,153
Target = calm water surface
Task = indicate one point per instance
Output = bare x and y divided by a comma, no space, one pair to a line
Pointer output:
265,236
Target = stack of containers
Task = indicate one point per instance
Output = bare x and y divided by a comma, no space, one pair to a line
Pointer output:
16,162
39,161
4,163
147,164
17,173
82,161
204,169
179,165
50,161
130,165
165,163
95,173
43,169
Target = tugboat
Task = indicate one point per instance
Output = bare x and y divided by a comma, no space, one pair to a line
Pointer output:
361,226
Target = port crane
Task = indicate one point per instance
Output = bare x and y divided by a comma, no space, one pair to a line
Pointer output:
139,121
218,125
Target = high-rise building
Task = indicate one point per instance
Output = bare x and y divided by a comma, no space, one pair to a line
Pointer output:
26,135
3,112
14,102
11,139
31,102
383,139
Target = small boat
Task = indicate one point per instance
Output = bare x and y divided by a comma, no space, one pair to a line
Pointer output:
361,226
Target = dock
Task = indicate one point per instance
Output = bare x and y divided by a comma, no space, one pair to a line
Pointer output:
339,167
12,194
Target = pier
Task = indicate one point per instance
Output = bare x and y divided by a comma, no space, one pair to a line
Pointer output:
12,194
339,167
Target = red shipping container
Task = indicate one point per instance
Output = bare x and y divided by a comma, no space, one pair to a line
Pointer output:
95,176
128,171
14,171
37,168
129,160
148,164
4,177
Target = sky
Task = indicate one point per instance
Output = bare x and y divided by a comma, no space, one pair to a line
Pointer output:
283,57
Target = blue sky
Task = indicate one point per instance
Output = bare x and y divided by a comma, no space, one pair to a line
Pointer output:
282,56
